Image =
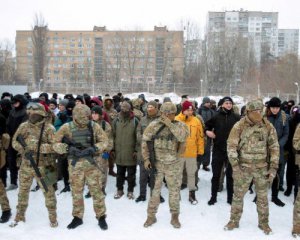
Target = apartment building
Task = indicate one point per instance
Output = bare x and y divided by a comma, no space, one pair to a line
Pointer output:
102,60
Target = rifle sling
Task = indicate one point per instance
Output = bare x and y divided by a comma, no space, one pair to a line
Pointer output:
39,145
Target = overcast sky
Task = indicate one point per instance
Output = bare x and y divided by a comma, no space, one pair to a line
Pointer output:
130,14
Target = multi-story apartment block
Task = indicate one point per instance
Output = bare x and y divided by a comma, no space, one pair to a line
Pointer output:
260,28
103,60
288,41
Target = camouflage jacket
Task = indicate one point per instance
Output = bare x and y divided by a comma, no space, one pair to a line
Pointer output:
31,134
296,144
143,124
100,137
251,144
169,144
108,130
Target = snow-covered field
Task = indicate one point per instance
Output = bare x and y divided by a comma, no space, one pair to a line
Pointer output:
126,217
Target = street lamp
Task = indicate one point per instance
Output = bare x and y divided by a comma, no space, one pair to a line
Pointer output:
41,80
297,92
201,93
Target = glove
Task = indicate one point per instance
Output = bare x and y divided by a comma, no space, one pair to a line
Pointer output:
134,155
86,152
105,155
271,175
74,151
147,165
60,148
165,120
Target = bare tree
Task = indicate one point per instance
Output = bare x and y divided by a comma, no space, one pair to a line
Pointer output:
7,69
40,47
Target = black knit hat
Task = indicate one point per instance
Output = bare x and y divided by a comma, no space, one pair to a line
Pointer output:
97,109
225,99
274,102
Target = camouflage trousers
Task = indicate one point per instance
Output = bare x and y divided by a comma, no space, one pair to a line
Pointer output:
4,203
83,172
296,212
241,183
26,176
103,164
173,175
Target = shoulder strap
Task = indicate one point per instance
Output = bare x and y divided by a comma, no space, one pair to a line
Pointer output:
39,144
158,131
92,132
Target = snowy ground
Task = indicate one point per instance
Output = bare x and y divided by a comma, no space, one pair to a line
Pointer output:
126,217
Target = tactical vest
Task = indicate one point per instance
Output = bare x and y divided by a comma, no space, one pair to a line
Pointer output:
81,136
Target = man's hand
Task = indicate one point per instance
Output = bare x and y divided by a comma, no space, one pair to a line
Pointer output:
134,155
211,134
147,165
165,120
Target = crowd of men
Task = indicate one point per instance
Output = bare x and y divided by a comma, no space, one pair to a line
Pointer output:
81,140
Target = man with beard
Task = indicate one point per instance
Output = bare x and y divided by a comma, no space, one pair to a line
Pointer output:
253,152
38,136
85,140
125,149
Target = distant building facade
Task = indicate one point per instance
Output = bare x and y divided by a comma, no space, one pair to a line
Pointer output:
77,61
288,41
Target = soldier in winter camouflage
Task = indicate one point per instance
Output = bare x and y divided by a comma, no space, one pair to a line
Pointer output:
253,152
37,133
169,143
90,141
296,213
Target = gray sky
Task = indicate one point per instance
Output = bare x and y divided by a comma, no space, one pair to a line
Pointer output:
130,14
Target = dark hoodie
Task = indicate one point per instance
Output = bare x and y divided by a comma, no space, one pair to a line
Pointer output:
17,115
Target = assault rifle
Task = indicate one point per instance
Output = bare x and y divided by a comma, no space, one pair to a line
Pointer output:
153,170
29,156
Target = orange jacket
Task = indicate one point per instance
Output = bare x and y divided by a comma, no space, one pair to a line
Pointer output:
195,140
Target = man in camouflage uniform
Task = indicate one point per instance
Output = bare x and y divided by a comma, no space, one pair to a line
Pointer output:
168,145
296,213
32,131
90,140
253,152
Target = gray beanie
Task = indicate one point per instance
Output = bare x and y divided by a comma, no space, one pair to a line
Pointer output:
167,99
153,103
64,102
206,100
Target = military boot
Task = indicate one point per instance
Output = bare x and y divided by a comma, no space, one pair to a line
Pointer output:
175,221
5,216
102,223
231,225
75,223
296,231
265,228
150,221
192,198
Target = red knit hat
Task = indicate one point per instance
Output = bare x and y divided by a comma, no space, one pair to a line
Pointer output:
187,105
